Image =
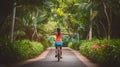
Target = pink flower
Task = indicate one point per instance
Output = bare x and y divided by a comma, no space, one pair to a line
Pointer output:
102,46
95,46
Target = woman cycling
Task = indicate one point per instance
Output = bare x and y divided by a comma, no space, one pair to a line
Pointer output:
58,42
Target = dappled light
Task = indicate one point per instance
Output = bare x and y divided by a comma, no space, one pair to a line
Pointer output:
88,26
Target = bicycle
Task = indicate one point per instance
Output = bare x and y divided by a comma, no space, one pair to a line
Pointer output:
58,53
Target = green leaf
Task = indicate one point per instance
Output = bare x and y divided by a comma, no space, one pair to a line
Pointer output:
40,19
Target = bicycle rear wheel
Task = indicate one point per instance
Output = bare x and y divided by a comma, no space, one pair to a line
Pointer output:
58,53
58,56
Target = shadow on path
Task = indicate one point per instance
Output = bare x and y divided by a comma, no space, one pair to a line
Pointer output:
69,60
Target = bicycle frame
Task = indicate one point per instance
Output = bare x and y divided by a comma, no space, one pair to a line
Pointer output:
58,53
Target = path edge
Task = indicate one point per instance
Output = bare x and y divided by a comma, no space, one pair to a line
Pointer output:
38,58
84,59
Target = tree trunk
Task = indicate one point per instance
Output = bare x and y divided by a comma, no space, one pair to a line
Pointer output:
35,33
103,28
109,18
90,31
13,23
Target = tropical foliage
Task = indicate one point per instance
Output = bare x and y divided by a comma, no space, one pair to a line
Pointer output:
82,19
105,52
19,51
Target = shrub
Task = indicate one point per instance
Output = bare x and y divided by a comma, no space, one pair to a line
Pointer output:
75,44
102,51
19,50
66,40
45,44
70,44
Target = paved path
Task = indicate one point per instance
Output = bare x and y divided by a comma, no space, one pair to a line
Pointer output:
70,59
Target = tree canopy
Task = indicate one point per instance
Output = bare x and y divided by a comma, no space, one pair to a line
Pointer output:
71,15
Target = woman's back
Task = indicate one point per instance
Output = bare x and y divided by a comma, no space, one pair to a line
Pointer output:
58,37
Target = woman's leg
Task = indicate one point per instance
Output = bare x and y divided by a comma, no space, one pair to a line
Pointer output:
55,51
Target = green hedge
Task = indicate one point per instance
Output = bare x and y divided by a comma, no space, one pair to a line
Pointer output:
19,51
74,44
102,51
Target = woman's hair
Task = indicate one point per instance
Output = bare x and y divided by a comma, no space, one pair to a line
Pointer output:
58,31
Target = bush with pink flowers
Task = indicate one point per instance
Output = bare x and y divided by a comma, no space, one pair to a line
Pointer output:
102,51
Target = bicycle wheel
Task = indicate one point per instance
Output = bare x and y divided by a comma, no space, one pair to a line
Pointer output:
58,55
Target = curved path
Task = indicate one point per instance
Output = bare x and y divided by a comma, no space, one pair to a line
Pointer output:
70,58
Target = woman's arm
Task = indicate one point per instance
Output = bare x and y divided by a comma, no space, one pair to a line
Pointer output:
53,33
70,34
65,33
